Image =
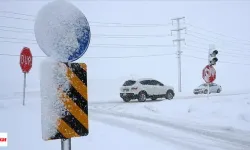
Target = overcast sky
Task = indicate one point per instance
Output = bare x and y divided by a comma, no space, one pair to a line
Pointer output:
228,21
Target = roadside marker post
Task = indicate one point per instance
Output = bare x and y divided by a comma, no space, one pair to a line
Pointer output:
64,92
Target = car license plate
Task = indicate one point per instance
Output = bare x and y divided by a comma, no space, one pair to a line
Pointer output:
125,90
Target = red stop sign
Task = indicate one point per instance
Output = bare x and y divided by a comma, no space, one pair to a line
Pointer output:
26,60
209,74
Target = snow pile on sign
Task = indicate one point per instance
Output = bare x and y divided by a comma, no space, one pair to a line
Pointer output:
58,28
53,76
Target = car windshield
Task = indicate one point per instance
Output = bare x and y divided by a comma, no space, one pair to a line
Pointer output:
129,83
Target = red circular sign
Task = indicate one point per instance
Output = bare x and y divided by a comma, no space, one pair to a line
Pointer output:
26,60
209,74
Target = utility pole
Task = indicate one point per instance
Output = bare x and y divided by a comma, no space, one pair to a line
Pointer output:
178,40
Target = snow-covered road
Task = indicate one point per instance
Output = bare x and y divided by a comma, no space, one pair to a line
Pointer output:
182,135
221,122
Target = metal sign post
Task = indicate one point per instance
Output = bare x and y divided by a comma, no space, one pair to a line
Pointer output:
208,90
66,144
26,65
209,73
211,46
24,87
73,95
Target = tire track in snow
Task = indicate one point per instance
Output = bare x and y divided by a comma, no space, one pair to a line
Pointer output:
149,132
212,135
163,136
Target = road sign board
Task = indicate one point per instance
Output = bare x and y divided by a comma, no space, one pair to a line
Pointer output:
74,119
67,43
209,74
26,60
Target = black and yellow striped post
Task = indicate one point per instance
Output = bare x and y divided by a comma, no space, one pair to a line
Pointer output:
75,99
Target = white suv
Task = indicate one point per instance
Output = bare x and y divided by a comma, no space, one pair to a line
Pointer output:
145,88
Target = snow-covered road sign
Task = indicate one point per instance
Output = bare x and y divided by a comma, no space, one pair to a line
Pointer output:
62,31
67,114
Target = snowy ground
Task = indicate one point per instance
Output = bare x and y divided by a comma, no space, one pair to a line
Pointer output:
187,122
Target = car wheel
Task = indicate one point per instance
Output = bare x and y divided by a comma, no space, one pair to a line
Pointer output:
125,99
169,95
142,97
205,92
218,91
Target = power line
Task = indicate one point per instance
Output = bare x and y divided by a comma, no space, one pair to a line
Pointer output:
96,35
135,56
13,38
198,37
217,33
231,49
110,24
247,44
121,45
155,55
226,62
10,12
18,18
12,55
103,45
20,42
120,36
129,36
16,31
216,38
134,46
201,48
106,57
104,24
232,55
96,23
107,35
14,28
118,45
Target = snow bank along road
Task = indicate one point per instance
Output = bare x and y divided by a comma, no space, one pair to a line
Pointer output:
141,118
183,136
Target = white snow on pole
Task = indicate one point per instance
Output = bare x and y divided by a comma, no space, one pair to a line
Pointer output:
53,76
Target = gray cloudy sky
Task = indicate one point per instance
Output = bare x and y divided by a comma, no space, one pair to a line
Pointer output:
228,18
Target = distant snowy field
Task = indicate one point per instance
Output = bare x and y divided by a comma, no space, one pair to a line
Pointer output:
220,122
